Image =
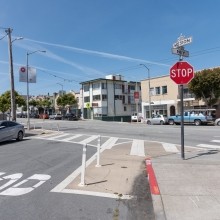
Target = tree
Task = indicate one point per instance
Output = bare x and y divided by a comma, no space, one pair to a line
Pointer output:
6,101
206,86
66,100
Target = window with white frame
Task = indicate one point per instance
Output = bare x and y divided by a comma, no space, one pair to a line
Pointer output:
96,86
96,97
86,88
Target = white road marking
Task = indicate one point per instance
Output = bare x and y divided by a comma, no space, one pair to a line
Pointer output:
90,193
170,147
137,148
59,136
208,146
14,190
217,141
87,140
109,143
72,137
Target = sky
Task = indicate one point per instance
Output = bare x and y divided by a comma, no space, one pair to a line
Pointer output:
89,39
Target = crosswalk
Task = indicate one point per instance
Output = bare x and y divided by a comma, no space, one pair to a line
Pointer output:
137,147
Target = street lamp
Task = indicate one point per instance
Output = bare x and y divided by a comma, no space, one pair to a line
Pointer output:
28,116
13,104
149,95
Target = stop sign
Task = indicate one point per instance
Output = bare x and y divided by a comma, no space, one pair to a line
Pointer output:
181,72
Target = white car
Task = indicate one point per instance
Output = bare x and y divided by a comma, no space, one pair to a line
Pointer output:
157,120
136,117
217,121
55,116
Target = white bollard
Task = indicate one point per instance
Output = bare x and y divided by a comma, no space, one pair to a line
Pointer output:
82,183
98,152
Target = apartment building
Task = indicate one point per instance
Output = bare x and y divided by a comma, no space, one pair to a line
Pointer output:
164,96
110,98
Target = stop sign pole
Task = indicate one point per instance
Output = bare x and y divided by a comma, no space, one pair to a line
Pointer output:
181,73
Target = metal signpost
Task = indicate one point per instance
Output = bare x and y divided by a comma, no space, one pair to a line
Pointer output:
181,73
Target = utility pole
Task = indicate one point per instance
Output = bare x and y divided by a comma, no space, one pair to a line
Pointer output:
13,104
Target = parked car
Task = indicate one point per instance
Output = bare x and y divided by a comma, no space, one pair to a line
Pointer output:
56,116
217,121
136,117
70,117
21,115
11,130
190,117
157,120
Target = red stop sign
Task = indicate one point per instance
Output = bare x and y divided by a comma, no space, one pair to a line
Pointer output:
181,72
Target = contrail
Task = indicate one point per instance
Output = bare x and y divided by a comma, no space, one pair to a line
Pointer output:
102,54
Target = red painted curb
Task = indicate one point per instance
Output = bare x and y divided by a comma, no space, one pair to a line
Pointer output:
152,178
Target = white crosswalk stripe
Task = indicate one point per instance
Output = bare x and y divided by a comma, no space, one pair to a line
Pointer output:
57,137
109,143
72,137
137,148
90,139
208,146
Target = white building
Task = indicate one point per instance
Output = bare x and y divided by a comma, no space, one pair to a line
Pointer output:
110,98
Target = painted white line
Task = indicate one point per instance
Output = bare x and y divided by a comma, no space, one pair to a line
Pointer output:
137,148
100,194
217,141
208,146
87,140
59,136
170,147
72,137
109,143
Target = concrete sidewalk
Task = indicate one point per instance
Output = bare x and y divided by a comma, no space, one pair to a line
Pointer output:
190,188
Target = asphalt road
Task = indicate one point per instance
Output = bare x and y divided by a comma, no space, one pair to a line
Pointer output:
193,135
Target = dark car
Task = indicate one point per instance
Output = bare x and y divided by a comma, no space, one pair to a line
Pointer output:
11,130
70,117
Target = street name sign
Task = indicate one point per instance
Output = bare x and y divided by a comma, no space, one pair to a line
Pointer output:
180,51
181,73
182,41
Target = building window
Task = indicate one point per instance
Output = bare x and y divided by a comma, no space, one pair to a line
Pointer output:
96,98
157,90
125,108
86,88
96,86
118,97
104,97
132,87
164,89
118,86
152,91
104,86
86,99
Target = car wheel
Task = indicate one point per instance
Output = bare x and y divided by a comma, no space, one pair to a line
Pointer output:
197,122
161,122
171,122
218,123
20,136
148,122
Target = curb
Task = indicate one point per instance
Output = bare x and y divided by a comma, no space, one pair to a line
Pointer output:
155,192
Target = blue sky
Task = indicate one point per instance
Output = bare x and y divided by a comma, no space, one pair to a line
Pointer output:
88,39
